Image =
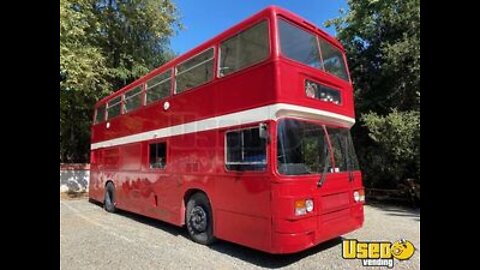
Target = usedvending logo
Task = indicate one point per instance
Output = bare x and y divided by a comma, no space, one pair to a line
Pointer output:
377,253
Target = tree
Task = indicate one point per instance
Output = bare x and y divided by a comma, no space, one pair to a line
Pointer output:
134,36
83,72
396,139
105,45
382,40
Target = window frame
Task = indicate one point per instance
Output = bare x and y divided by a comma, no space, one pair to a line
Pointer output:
171,78
225,151
115,104
318,46
316,122
335,88
166,154
343,54
175,73
104,105
219,44
125,98
303,29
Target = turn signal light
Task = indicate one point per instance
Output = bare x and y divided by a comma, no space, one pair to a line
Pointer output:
304,206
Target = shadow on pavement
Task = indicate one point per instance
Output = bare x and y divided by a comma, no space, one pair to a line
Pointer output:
266,260
249,255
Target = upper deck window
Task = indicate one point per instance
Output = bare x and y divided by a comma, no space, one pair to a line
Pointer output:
299,44
113,107
133,99
314,51
159,87
244,49
100,115
333,60
195,71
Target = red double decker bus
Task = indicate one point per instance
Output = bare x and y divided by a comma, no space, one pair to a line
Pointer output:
245,138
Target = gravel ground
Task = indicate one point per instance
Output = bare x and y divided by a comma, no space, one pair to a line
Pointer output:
90,238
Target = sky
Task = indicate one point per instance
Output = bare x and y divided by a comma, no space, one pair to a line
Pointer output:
204,19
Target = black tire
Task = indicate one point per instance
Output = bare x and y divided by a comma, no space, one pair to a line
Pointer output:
199,219
109,198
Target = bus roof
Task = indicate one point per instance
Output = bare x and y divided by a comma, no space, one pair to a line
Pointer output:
271,10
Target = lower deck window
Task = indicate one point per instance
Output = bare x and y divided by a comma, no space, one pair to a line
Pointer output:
245,150
158,155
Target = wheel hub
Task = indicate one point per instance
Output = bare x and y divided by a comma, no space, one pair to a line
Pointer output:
198,219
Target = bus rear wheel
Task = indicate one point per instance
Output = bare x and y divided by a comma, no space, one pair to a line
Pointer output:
109,198
199,219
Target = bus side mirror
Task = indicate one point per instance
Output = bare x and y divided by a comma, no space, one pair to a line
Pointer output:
263,131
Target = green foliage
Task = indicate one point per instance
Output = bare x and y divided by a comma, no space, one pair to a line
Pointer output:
82,62
382,40
133,36
397,141
104,45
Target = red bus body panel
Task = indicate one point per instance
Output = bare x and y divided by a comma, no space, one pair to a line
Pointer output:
252,208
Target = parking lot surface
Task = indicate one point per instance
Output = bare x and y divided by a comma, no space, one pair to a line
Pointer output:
91,238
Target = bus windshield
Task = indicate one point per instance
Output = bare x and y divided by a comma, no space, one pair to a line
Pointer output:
303,148
312,50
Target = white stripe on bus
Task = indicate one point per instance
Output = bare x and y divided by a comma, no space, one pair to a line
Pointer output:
269,112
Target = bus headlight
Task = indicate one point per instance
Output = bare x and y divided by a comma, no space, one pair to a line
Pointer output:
359,195
304,206
309,205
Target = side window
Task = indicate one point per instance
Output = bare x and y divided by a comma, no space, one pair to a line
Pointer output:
133,99
244,49
195,71
159,87
158,155
113,107
245,150
100,114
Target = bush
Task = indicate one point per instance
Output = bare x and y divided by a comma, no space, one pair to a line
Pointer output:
394,152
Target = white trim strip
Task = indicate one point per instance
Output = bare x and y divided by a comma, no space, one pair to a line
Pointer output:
269,112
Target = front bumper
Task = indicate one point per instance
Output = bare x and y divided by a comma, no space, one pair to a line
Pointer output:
290,236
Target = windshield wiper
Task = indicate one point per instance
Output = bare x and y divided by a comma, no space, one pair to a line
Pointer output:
321,181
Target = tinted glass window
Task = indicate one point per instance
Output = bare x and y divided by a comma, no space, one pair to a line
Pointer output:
100,115
195,71
245,150
159,87
244,49
299,44
301,147
310,49
333,60
133,99
158,155
114,108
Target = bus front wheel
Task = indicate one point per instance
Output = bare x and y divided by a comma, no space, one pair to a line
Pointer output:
199,219
109,199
